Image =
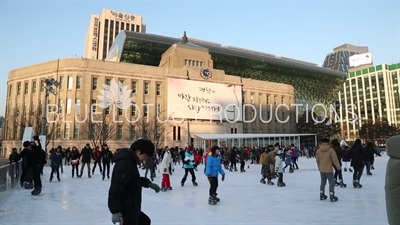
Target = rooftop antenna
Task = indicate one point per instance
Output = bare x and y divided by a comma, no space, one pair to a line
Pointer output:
76,56
184,38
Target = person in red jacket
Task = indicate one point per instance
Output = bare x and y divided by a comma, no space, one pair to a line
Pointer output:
197,158
96,158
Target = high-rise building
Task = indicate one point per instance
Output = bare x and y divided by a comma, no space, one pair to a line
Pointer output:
374,93
105,27
339,58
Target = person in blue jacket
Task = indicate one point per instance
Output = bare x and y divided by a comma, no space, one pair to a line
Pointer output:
189,165
213,168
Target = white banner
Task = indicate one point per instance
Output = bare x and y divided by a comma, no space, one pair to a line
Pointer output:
360,59
204,100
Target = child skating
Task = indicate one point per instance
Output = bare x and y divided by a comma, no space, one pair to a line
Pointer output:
166,163
213,168
279,168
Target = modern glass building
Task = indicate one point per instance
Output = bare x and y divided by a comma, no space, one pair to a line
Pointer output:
375,93
309,80
339,58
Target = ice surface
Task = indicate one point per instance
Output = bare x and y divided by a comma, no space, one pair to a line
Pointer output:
243,200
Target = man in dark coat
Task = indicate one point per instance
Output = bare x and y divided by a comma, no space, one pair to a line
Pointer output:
87,156
369,152
357,162
125,193
339,154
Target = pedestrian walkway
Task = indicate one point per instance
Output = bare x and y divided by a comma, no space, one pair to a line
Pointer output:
243,200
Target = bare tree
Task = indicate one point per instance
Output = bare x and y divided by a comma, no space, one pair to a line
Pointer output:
100,128
153,129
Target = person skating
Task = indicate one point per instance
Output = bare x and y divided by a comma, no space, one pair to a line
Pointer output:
26,180
74,157
392,181
279,168
96,159
56,162
346,159
213,168
242,159
166,163
369,152
357,162
106,157
269,167
86,158
326,158
189,165
338,173
125,193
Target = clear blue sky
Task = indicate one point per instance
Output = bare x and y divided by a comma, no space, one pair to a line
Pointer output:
38,31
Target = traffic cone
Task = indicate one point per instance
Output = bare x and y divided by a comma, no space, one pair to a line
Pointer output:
248,166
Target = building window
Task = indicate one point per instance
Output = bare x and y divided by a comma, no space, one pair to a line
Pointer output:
41,85
251,98
282,98
134,87
61,82
133,132
119,132
122,81
158,132
58,131
24,110
108,81
33,110
77,105
145,109
267,99
92,131
78,82
60,106
26,88
94,105
66,131
34,87
133,109
179,133
120,112
69,103
146,88
158,110
174,133
40,107
94,83
70,82
158,89
76,131
107,111
18,88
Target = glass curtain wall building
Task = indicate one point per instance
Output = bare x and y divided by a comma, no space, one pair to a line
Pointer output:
146,49
375,93
339,58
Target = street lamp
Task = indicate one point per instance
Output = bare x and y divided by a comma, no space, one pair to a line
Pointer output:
49,82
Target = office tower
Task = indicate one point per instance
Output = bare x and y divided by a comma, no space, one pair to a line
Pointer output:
339,58
105,27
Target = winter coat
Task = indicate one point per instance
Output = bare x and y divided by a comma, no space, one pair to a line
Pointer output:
326,158
87,155
262,157
243,155
288,159
392,180
213,166
269,159
106,156
188,162
149,163
278,164
125,193
14,157
96,155
166,162
346,155
56,160
357,156
197,157
296,153
368,153
339,153
75,156
233,155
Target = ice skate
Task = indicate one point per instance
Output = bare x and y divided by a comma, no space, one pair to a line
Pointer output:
263,181
357,184
369,173
322,196
336,183
216,198
163,189
212,200
269,182
332,197
350,170
281,184
345,169
36,191
182,184
372,167
342,185
169,188
291,170
195,183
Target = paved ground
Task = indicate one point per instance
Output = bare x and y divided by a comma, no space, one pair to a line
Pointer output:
3,161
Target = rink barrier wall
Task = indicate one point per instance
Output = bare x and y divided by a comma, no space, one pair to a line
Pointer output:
9,176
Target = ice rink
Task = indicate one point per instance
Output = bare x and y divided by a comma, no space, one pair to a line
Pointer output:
244,200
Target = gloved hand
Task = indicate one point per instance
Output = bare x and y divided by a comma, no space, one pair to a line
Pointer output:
223,177
116,217
155,187
209,178
165,170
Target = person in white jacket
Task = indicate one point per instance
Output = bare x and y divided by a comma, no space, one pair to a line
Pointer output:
166,162
279,168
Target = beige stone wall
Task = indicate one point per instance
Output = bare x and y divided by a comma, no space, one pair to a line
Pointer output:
24,98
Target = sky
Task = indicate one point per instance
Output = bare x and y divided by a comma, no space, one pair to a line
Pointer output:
38,31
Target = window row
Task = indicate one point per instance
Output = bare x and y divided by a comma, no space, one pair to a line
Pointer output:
193,63
270,99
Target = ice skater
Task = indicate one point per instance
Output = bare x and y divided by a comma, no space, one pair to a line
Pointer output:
166,163
213,168
279,168
189,165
